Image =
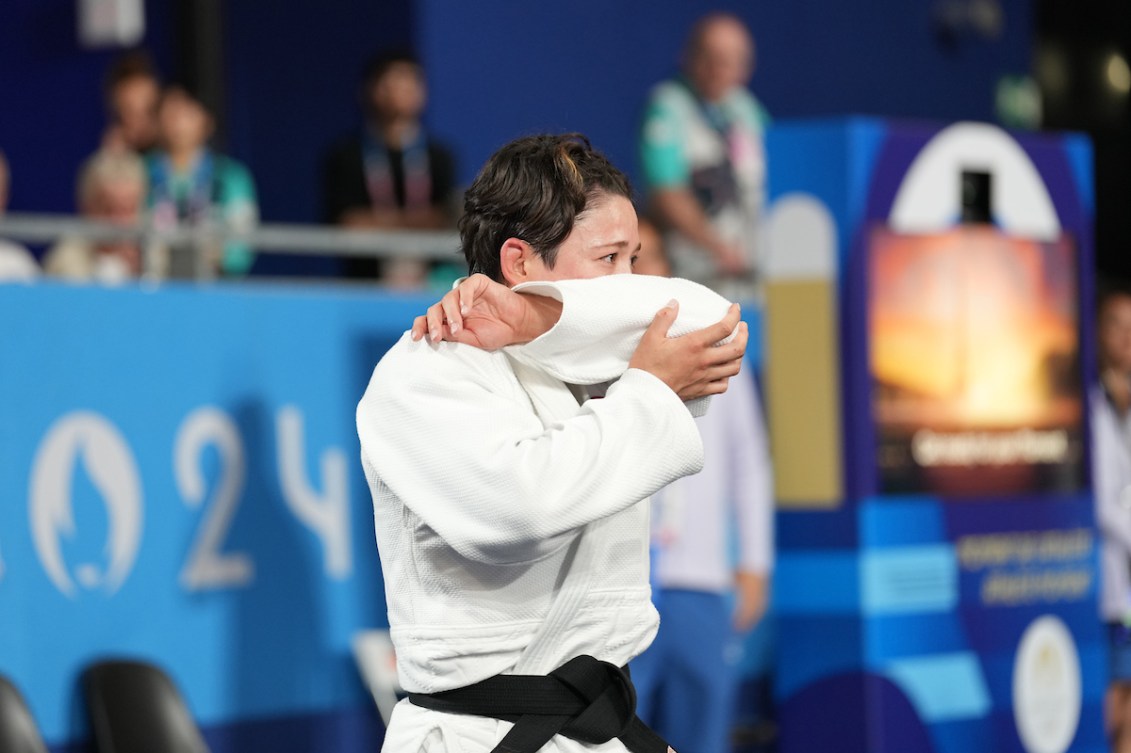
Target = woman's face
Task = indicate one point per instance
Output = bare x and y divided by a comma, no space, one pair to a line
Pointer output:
604,241
184,122
651,260
399,93
134,104
1115,333
722,60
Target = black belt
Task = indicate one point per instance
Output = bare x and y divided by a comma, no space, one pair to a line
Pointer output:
585,699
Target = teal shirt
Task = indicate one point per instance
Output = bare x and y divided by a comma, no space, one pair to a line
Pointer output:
230,195
673,119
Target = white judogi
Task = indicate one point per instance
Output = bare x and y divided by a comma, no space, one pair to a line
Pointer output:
511,521
692,518
1111,464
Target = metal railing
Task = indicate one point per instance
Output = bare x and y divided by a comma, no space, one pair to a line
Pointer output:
307,240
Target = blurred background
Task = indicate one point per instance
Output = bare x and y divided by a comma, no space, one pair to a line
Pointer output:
282,80
179,483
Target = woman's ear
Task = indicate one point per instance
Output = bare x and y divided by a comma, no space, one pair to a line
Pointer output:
514,259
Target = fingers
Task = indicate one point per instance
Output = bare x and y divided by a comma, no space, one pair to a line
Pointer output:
452,306
730,353
714,382
722,371
729,322
741,338
704,389
467,295
721,330
717,387
662,322
435,318
733,316
450,310
459,302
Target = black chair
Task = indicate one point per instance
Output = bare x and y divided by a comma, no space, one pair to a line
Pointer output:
134,707
18,730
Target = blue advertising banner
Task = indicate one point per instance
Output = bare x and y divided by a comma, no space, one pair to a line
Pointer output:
945,598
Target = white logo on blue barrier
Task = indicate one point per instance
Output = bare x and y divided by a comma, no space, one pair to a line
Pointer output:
208,566
85,437
326,514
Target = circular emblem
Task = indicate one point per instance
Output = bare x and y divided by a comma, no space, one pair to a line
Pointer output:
1046,686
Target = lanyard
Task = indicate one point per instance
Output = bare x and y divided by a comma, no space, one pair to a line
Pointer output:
715,115
192,205
416,169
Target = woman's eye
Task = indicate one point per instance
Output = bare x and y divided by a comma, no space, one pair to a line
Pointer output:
610,258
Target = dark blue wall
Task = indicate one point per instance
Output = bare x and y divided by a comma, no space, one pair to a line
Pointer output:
51,109
294,69
501,68
497,68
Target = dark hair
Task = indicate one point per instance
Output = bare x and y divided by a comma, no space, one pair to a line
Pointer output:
183,88
377,66
128,65
1108,289
700,27
533,189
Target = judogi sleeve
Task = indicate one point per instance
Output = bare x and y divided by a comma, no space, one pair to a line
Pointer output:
750,476
1112,517
603,320
454,437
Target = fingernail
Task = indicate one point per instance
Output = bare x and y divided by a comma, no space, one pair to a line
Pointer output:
434,334
454,327
464,309
672,304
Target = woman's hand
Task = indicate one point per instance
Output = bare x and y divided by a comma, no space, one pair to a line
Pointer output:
488,315
698,363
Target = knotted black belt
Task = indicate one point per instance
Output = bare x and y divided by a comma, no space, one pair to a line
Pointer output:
585,699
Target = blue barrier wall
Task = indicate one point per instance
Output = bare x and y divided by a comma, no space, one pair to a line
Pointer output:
181,482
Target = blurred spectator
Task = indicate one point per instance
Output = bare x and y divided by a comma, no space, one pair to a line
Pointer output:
16,262
686,681
132,89
189,184
652,259
703,160
391,174
1111,457
111,188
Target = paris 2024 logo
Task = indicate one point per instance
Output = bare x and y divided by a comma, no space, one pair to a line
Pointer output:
88,439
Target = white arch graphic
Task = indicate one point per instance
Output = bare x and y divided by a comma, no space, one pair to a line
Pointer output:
801,239
928,200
